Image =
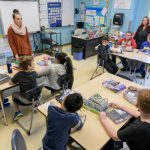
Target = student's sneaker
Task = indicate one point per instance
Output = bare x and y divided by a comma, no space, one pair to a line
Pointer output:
17,115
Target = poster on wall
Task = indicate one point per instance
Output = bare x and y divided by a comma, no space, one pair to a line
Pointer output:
96,2
54,14
122,4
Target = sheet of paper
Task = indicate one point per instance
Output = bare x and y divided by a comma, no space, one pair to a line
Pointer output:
96,18
82,17
104,11
96,2
91,12
90,20
102,20
2,71
122,4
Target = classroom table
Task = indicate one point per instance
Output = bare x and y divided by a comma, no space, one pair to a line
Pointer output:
135,55
6,86
93,136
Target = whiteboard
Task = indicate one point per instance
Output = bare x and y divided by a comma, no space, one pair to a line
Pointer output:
67,12
29,11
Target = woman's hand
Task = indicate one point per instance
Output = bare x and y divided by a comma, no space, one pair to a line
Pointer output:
16,56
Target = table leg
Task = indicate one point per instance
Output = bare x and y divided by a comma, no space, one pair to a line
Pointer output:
146,68
3,110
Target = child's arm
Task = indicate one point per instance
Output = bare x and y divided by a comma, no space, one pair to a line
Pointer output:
10,82
14,80
112,132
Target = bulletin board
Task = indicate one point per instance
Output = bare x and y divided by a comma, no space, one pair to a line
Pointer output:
95,16
54,14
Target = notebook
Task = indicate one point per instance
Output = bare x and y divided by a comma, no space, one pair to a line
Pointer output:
114,86
4,78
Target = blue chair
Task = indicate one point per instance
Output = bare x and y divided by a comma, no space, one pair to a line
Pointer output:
17,141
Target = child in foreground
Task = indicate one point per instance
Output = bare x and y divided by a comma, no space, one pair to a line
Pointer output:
137,131
61,121
27,81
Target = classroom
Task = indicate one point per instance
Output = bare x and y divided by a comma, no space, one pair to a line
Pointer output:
74,74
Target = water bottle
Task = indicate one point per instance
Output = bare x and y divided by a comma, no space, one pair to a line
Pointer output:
9,66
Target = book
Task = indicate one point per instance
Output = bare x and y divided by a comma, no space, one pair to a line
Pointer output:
114,86
97,103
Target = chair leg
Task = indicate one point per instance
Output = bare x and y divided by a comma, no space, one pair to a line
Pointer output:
92,77
28,131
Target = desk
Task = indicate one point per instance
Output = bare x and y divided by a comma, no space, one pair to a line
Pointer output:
135,56
6,86
93,136
88,45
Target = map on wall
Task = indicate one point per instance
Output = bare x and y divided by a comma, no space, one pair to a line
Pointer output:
122,4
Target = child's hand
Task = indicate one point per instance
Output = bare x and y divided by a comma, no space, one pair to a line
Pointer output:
132,88
115,105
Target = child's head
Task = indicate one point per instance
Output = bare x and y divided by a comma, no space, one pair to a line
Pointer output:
26,63
143,102
128,35
105,40
73,102
148,38
63,58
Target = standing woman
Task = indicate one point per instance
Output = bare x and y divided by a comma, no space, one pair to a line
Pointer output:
18,36
142,32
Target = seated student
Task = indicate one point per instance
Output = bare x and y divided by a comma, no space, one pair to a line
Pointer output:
61,121
136,133
62,66
103,52
127,42
27,81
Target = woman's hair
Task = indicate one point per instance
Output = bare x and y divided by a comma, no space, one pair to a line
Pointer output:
147,21
73,102
25,61
15,12
65,60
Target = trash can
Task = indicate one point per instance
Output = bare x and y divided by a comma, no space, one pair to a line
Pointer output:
78,53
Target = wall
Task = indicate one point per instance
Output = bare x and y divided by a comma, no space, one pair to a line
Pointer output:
128,14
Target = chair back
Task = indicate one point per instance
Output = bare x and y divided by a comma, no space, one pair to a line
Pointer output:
65,81
17,141
35,93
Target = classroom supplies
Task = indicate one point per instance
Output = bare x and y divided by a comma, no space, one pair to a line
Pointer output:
114,86
117,115
131,96
4,78
97,103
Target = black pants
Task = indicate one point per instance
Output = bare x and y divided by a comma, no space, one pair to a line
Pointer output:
110,66
124,63
52,90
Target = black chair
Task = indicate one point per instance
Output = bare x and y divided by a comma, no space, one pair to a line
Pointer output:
17,141
100,64
65,82
36,95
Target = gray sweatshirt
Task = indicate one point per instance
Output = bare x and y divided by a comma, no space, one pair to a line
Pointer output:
52,72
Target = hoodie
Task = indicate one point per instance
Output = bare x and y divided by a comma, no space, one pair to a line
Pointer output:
52,72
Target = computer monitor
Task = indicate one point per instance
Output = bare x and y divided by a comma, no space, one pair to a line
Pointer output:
80,25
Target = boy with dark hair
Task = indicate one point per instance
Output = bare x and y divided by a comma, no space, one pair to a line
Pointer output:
103,52
27,81
137,131
61,121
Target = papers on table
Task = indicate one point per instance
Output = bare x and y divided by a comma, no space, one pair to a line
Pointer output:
2,71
